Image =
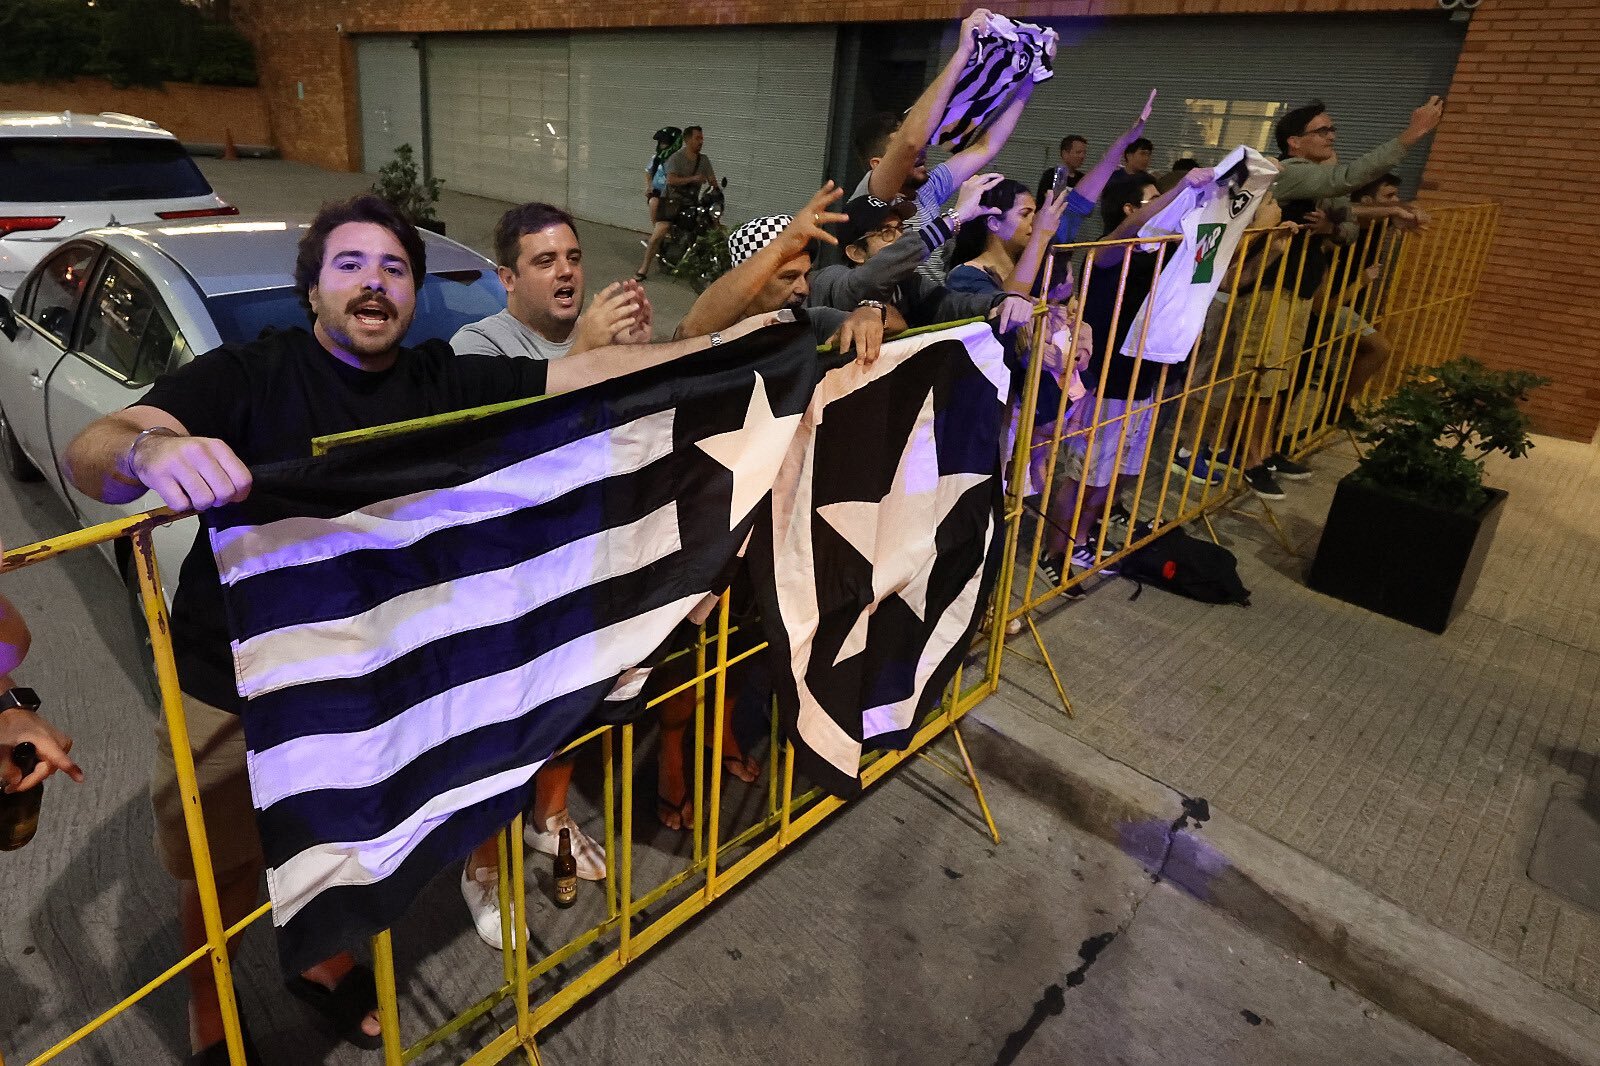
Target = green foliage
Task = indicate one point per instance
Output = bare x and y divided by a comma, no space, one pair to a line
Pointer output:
400,182
43,40
1429,439
707,257
127,42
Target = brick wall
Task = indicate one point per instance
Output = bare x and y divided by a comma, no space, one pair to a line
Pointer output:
1523,129
198,114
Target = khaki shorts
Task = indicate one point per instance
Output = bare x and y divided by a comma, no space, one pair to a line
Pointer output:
1273,342
1347,320
217,739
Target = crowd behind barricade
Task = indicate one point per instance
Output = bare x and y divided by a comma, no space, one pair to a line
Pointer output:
1145,371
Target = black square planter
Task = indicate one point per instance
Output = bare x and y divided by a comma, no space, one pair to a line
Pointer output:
1402,558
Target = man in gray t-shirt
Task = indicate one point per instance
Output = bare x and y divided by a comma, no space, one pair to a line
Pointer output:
541,266
687,170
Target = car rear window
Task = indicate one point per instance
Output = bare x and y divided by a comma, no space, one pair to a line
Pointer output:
448,301
77,169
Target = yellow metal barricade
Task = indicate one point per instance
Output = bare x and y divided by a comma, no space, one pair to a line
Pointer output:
1405,294
540,990
1208,406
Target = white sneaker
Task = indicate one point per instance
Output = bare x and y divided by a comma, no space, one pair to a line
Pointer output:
481,890
591,857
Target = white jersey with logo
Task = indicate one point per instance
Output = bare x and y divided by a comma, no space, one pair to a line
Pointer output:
1212,219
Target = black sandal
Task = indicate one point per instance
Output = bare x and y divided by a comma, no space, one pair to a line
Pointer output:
345,1006
217,1054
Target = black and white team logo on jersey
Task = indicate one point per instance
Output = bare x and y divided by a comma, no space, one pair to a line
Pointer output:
1238,200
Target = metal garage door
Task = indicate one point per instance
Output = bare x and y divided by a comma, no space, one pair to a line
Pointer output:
1223,81
497,115
762,94
389,79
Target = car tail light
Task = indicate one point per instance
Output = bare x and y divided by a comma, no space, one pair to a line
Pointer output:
28,223
199,212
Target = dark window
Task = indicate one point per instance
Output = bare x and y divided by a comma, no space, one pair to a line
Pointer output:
446,302
58,287
73,169
125,330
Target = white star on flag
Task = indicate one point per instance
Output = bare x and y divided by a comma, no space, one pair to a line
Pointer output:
896,533
754,451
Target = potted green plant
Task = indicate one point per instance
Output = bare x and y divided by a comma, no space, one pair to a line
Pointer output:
400,182
1411,525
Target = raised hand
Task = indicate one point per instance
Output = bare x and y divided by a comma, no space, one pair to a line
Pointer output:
809,222
969,201
970,26
611,312
1424,120
641,328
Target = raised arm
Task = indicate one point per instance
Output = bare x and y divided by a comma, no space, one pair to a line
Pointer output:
602,364
1134,222
922,121
977,155
1309,181
724,301
1093,183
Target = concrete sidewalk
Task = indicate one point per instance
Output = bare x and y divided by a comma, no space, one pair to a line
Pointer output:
1417,767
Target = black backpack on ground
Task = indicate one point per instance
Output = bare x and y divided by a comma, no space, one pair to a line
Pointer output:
1188,566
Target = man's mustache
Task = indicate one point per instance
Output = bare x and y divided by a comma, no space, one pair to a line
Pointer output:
373,299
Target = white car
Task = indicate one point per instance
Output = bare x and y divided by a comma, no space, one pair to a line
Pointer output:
108,312
62,173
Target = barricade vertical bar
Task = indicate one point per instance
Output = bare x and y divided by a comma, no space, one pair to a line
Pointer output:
625,945
977,786
772,769
699,744
388,999
608,758
155,616
788,795
719,712
503,844
519,907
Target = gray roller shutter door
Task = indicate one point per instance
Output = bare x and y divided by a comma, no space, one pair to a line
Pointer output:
762,94
1370,69
497,115
389,81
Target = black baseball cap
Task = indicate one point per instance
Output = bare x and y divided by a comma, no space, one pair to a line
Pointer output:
868,215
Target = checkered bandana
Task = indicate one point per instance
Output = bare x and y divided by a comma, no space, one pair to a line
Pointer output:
755,235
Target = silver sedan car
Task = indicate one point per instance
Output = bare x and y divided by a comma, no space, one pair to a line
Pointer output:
110,311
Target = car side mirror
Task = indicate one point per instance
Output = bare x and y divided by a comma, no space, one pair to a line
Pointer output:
8,320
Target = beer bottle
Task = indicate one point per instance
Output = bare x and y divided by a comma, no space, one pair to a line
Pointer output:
19,811
566,871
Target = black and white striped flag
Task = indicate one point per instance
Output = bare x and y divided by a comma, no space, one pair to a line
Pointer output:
876,566
1005,54
418,623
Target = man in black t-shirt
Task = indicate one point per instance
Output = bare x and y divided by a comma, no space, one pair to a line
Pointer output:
192,439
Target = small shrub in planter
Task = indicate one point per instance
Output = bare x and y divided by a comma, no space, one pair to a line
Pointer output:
1410,527
400,182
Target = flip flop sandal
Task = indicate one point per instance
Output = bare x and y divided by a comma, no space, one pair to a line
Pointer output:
683,810
217,1054
344,1006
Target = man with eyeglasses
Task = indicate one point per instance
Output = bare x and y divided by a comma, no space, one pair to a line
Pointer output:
1314,189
